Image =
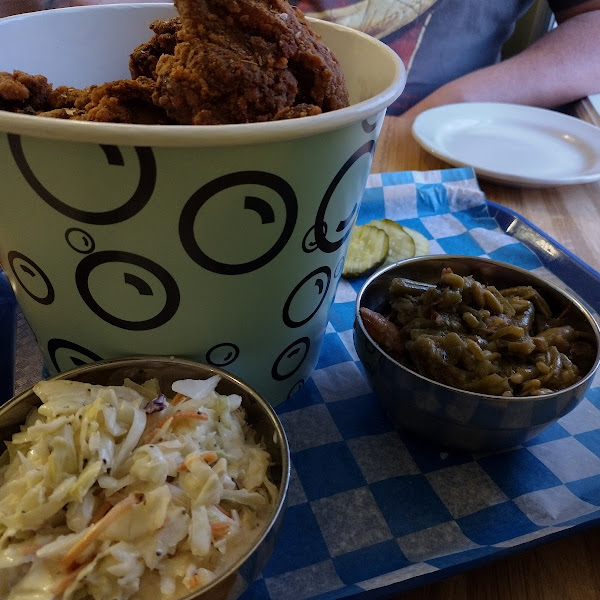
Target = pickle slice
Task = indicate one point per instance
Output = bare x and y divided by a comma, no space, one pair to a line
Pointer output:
367,249
401,244
421,242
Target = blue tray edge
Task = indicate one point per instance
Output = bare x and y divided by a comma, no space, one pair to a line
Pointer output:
573,271
584,280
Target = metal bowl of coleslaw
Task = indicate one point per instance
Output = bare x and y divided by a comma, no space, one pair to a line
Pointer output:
250,558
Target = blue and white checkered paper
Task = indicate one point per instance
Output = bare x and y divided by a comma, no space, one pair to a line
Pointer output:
369,507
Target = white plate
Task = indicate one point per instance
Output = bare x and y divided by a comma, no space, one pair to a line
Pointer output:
511,143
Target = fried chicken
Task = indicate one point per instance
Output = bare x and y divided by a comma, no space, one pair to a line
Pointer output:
220,61
240,61
142,62
21,92
69,97
124,101
120,101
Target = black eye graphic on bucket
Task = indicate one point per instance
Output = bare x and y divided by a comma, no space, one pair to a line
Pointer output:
309,244
337,272
297,387
31,277
291,359
67,355
368,127
239,222
330,233
81,241
222,355
112,156
127,290
306,298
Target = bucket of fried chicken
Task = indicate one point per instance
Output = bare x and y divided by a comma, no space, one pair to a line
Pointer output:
182,180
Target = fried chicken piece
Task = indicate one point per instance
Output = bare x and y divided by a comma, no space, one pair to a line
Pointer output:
64,97
124,101
142,62
221,61
299,110
120,101
239,61
62,113
22,92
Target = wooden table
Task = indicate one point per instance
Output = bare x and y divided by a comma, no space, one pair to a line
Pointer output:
569,568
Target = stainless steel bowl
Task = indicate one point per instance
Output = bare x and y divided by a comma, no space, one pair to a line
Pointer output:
449,416
233,582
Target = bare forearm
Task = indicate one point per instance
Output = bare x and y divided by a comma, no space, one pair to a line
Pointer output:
561,67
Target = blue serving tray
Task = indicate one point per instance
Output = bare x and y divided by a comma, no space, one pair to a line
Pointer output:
374,512
585,282
568,267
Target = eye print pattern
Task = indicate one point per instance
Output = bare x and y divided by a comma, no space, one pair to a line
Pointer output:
339,268
368,127
31,278
309,243
114,157
80,240
309,293
290,359
260,206
67,355
344,227
222,355
131,292
296,388
113,270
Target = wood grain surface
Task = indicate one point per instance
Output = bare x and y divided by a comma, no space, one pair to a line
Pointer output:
567,568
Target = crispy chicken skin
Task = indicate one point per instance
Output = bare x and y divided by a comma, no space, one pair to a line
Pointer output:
220,61
239,61
69,97
124,101
120,101
143,59
21,92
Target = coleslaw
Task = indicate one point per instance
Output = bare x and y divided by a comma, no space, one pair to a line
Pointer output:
116,492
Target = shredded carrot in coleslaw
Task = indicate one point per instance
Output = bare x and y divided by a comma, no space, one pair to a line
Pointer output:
115,495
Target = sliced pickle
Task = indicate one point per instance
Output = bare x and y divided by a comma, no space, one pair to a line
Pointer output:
421,242
368,248
401,244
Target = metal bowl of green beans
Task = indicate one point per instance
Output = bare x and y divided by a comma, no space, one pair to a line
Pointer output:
472,353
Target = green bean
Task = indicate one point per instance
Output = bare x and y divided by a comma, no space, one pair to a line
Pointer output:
476,337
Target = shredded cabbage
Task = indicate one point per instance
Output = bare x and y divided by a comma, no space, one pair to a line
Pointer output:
117,491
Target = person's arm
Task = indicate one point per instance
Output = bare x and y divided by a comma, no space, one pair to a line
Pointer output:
562,66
